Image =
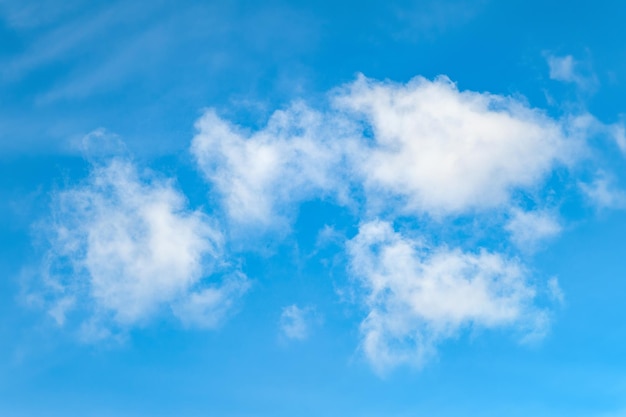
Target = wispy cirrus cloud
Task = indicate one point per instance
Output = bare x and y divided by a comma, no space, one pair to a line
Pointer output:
63,60
102,46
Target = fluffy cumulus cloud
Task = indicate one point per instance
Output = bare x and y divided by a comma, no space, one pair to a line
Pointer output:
260,175
447,151
417,296
438,150
123,248
423,150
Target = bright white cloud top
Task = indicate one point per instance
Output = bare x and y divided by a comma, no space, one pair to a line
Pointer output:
448,151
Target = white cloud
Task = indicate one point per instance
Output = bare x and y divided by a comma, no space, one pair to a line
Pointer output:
423,149
562,68
603,193
328,235
568,70
528,228
555,291
618,132
418,295
434,149
297,156
208,307
296,322
447,151
124,248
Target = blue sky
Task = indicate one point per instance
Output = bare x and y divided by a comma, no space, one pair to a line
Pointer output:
312,208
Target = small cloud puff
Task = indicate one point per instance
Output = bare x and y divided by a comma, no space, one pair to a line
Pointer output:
555,292
529,228
123,248
562,68
567,69
296,323
602,193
